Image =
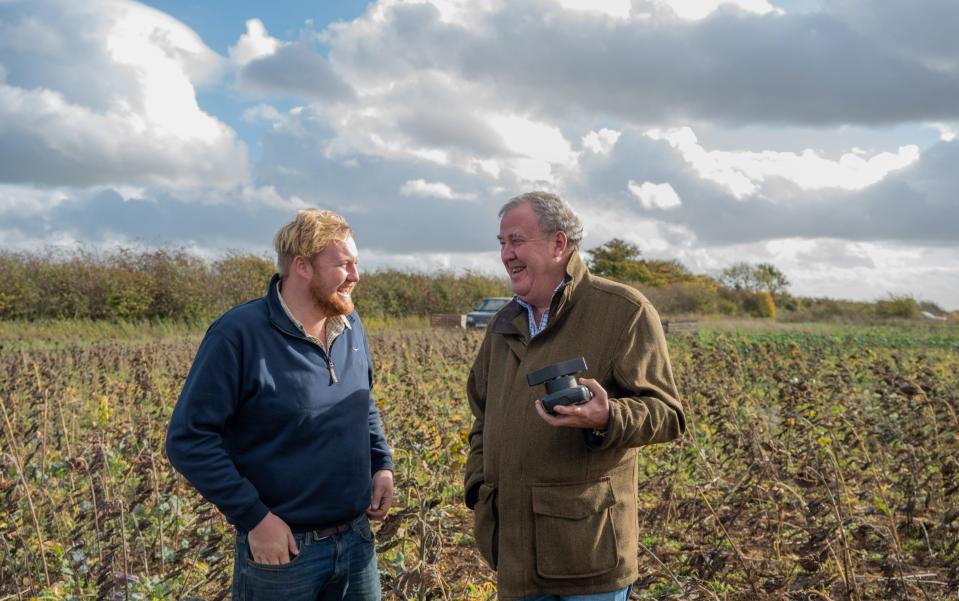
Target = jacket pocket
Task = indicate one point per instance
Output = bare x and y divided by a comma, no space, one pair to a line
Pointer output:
575,537
486,524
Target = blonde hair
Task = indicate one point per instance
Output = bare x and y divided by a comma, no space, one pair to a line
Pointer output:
310,232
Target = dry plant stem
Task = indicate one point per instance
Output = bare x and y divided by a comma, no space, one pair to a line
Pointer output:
664,566
889,512
17,462
66,433
729,539
156,504
6,553
927,405
846,568
123,542
96,517
43,436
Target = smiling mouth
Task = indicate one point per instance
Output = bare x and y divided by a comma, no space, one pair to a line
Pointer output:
345,291
516,269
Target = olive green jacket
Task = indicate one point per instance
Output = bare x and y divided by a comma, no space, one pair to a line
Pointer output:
555,508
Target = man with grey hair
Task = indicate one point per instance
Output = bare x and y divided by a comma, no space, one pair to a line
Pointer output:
553,493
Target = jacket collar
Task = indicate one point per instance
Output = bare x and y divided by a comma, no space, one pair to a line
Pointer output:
513,318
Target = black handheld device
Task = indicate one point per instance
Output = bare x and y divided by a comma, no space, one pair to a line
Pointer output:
561,387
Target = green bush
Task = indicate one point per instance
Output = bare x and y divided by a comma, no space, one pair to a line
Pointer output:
172,284
759,304
904,307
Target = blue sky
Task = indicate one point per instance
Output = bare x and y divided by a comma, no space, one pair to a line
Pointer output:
820,137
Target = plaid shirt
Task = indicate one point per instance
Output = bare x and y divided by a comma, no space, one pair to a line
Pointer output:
334,325
536,328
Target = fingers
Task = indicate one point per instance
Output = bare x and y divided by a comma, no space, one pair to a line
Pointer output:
379,512
271,541
594,413
382,498
565,416
594,387
291,544
272,557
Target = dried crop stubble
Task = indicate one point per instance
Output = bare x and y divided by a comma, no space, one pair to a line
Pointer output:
816,466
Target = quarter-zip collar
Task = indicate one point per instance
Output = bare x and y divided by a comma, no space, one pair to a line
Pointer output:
284,321
334,325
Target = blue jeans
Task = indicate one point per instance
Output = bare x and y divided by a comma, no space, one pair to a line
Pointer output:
339,567
620,595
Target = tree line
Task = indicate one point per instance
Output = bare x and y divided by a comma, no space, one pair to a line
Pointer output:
171,283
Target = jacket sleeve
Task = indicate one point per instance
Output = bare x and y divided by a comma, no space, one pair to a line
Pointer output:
194,442
476,394
381,456
648,410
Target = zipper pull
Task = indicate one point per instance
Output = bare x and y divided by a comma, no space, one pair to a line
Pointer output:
333,378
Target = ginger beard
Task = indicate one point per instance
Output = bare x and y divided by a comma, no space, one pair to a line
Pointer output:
342,274
340,302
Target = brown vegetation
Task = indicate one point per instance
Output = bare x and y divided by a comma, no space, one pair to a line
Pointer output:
816,466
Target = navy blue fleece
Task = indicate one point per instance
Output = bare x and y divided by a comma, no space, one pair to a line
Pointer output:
262,426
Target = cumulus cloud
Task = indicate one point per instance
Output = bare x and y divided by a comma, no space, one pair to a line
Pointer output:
823,141
743,172
734,66
268,66
108,97
423,188
602,141
655,196
209,220
255,43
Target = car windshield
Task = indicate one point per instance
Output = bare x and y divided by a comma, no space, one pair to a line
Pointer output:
492,304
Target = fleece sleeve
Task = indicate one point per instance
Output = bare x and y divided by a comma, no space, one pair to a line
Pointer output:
194,442
381,456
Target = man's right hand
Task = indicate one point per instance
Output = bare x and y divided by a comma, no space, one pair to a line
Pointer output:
271,542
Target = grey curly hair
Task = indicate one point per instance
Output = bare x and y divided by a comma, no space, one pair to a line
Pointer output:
553,212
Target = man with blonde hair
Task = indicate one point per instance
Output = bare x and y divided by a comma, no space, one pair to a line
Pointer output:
276,425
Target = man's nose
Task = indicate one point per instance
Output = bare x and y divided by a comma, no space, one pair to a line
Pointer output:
353,274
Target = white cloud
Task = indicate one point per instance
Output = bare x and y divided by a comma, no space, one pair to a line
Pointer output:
255,43
602,141
947,131
425,189
263,112
539,146
655,196
431,262
700,9
135,121
655,239
744,172
614,8
27,200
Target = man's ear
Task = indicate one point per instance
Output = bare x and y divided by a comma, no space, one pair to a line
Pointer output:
301,266
560,244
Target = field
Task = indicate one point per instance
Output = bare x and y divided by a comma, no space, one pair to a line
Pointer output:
819,464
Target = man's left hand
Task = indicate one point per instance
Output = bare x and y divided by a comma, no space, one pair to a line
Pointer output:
382,495
591,415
